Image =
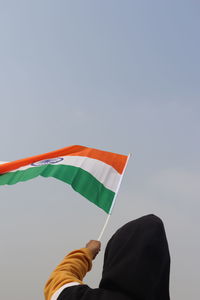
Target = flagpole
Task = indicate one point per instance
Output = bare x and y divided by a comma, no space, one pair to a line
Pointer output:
104,227
114,199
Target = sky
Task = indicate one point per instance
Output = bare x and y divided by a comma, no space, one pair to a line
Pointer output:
121,76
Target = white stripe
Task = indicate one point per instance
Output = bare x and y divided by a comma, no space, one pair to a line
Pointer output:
59,291
103,172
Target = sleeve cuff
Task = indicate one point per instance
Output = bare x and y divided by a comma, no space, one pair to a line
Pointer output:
88,252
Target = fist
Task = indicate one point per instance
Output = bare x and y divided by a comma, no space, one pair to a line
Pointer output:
94,246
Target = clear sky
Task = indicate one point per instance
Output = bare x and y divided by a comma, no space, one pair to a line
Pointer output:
122,76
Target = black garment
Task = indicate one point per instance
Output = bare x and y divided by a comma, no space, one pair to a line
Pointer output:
136,265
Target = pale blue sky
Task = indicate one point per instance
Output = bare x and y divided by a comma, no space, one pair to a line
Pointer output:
115,75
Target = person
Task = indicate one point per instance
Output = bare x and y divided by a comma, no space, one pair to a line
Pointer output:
136,266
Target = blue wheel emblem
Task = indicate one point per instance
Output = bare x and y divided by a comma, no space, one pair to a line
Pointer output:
47,161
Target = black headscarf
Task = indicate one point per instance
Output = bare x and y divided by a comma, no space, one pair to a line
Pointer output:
137,260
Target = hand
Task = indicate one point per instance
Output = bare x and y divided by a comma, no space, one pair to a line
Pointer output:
94,246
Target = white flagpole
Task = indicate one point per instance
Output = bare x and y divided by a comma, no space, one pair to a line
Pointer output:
104,227
114,200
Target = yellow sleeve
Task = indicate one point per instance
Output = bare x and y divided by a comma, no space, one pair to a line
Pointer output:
72,269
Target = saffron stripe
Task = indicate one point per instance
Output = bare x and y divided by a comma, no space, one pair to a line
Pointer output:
117,161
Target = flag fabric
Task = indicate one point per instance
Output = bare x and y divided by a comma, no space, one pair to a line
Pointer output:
93,173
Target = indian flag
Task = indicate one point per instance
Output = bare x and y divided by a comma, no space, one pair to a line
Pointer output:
93,173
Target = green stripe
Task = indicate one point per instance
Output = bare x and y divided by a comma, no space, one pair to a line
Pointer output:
80,180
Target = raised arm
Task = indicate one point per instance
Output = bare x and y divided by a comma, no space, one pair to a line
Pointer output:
71,270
